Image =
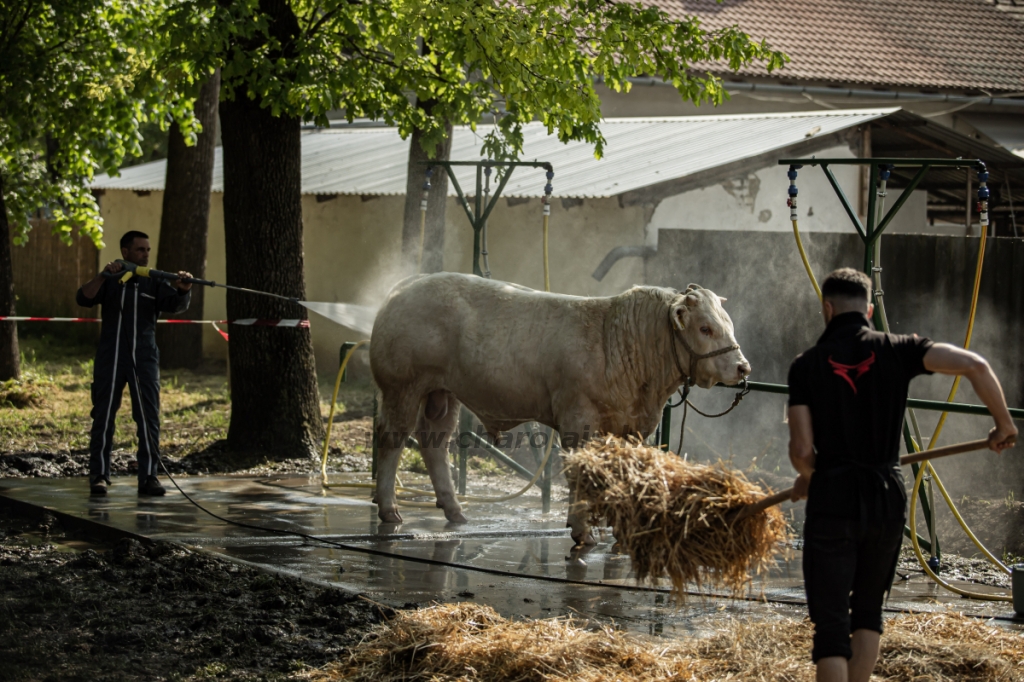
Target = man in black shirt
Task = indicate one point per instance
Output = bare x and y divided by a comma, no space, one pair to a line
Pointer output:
847,396
127,354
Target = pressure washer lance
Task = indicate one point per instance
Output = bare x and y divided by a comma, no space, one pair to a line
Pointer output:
905,460
142,271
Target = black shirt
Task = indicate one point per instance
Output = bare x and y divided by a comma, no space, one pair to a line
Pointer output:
855,383
130,311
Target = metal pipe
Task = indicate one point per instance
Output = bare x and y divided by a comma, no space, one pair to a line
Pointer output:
934,405
500,456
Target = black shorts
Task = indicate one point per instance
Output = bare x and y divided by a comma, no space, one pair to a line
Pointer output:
847,572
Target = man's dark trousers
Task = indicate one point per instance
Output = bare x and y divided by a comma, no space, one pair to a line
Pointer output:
109,380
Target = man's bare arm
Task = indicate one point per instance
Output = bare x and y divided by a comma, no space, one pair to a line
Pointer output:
945,358
801,448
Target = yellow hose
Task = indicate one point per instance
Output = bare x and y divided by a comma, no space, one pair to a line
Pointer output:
967,339
803,257
334,403
938,429
917,546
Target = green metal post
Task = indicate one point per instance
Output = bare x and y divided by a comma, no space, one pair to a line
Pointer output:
345,348
545,490
465,426
666,427
373,443
925,502
477,223
869,227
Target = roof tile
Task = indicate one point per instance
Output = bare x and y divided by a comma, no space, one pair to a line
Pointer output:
923,44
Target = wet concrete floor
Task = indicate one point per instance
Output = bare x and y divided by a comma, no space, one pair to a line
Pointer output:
510,537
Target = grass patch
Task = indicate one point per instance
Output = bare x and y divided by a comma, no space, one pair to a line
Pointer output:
53,403
485,466
412,461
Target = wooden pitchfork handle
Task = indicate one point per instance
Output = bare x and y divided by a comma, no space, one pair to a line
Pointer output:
913,458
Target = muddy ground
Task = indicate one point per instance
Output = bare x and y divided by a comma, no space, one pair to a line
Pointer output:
160,612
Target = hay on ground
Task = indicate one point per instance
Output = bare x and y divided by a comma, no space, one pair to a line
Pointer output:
469,643
673,517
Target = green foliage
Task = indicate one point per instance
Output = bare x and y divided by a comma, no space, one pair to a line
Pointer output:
76,83
521,61
412,461
80,79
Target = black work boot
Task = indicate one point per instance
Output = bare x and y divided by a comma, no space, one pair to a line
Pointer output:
151,487
97,486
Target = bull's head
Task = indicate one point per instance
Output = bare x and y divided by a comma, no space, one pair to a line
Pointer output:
702,326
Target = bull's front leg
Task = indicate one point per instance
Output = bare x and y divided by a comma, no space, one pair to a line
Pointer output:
580,424
387,470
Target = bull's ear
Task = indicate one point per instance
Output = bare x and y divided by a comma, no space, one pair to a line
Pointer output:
677,316
723,299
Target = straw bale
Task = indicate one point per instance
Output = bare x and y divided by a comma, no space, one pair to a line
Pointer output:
674,517
470,642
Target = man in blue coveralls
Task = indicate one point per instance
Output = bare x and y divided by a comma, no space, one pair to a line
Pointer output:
127,354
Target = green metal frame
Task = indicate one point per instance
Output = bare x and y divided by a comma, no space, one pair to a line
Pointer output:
933,405
479,213
870,233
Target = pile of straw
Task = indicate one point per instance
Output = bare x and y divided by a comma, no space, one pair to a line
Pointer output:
673,517
468,642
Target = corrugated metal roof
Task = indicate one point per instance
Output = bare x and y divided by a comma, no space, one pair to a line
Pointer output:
639,152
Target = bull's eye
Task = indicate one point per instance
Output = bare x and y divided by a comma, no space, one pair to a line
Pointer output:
705,330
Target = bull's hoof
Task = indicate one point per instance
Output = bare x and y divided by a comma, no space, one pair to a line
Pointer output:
389,516
455,516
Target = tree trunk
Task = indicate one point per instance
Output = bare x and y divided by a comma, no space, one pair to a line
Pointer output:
184,225
275,402
433,236
10,360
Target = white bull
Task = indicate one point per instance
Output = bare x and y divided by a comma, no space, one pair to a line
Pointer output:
511,355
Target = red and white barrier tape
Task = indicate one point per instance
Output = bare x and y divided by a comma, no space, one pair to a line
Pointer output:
245,322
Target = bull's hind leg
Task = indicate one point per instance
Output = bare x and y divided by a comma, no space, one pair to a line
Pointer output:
580,424
437,423
397,419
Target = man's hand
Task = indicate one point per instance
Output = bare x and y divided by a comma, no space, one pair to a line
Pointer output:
183,286
1002,437
800,487
113,266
